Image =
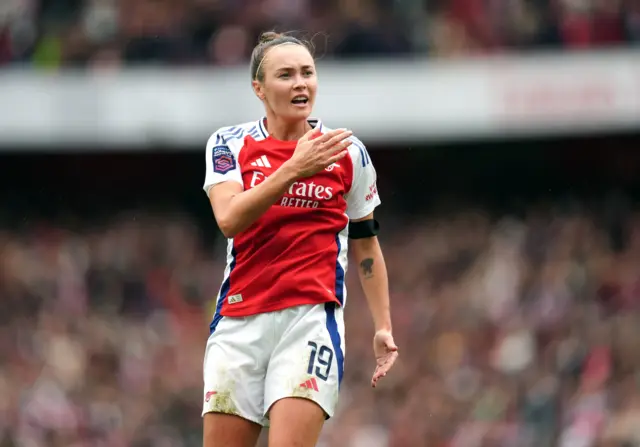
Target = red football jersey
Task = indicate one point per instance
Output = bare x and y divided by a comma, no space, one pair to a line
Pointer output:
296,253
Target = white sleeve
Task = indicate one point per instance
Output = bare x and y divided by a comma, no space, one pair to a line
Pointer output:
363,197
221,162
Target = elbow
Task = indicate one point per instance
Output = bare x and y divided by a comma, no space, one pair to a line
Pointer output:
227,227
229,234
227,217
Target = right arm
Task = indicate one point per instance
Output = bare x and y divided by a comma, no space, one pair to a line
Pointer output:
235,209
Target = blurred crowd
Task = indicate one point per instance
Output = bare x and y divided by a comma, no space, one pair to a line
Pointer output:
111,33
513,331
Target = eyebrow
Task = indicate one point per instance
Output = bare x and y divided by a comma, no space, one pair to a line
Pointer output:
289,67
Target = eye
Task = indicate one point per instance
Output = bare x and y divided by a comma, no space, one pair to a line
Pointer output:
308,73
283,75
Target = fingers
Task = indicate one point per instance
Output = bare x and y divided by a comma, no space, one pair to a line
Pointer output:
325,149
383,368
334,137
336,157
377,375
339,151
339,147
328,135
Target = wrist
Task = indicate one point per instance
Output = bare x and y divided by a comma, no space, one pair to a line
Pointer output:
384,326
289,172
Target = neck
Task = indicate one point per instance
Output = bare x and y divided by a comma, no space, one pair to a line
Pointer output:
286,131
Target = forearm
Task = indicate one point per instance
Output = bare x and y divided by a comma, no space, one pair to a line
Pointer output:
246,207
373,277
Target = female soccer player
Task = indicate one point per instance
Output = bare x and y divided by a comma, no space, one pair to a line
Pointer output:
288,193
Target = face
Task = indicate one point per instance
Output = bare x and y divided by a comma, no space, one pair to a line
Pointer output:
290,83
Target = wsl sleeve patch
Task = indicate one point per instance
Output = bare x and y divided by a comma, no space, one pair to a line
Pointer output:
223,160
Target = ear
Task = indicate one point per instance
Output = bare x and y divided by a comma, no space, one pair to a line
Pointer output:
258,89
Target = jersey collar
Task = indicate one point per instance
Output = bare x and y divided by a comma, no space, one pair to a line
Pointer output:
314,122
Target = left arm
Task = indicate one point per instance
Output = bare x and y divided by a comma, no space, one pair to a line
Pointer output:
373,277
362,199
375,284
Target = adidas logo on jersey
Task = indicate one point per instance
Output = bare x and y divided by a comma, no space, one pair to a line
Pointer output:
262,162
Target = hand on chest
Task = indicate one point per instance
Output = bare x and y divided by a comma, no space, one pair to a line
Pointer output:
319,191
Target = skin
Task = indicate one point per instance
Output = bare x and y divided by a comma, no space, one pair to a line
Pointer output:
289,71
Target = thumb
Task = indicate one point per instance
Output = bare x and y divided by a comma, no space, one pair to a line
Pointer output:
390,344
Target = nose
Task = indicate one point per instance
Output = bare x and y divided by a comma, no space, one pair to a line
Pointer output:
299,82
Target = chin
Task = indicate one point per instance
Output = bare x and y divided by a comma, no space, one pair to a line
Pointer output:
299,114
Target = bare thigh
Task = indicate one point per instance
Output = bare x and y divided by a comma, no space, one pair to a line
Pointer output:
226,430
295,422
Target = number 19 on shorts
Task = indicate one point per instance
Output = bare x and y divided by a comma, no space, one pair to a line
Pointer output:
320,361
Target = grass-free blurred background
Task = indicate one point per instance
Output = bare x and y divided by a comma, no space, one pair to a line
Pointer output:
506,141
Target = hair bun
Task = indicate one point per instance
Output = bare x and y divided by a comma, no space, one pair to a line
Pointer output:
269,36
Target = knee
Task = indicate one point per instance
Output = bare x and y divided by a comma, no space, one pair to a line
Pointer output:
295,422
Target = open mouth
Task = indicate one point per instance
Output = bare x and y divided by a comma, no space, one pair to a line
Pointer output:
300,100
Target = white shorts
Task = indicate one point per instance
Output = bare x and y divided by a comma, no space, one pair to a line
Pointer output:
252,362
